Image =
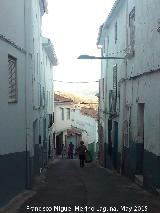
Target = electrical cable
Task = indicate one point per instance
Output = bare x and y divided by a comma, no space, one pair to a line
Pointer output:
81,82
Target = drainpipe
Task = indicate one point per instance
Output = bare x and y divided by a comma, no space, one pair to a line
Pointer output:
124,91
105,109
105,130
101,143
26,61
27,92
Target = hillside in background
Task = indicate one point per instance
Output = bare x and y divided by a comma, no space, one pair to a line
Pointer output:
81,101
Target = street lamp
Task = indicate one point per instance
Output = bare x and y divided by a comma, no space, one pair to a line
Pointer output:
95,57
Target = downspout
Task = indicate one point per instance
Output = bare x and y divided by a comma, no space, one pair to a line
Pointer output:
26,70
124,90
105,109
101,143
28,91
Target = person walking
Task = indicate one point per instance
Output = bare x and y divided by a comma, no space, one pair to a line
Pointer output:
82,152
70,150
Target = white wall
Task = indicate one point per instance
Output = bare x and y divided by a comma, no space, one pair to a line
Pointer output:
12,122
61,125
112,49
143,88
12,20
17,18
47,74
12,116
86,123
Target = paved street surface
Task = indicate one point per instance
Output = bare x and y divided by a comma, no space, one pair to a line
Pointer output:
69,188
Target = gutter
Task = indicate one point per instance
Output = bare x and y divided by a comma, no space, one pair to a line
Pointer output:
26,123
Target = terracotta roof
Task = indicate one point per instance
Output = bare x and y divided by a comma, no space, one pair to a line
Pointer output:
74,131
62,99
89,111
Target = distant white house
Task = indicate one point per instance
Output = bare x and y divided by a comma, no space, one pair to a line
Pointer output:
63,112
85,119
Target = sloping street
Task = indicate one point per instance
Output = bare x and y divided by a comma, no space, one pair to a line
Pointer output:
69,188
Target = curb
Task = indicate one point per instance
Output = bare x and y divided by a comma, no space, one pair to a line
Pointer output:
17,201
14,204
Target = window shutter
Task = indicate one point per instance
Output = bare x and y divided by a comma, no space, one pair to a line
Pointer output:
114,87
12,79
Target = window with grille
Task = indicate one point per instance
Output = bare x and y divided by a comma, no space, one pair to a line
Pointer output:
118,95
43,96
62,113
115,32
110,100
103,88
114,87
68,114
132,27
12,79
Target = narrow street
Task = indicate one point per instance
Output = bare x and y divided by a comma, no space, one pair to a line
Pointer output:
88,189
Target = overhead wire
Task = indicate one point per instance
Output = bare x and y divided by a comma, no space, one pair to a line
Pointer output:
81,82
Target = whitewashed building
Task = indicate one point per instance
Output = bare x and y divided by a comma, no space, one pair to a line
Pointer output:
62,106
23,100
43,107
85,120
131,91
74,124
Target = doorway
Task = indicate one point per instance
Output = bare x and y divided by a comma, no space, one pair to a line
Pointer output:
59,142
115,145
140,139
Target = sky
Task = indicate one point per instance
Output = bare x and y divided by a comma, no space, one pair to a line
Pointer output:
73,26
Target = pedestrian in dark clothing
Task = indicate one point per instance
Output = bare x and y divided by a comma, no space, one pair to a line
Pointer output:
82,151
70,150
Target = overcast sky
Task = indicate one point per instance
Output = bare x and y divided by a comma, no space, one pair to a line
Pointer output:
73,27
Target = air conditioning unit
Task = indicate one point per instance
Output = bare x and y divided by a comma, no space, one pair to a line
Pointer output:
129,52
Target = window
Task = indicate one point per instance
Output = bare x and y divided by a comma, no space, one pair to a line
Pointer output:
62,113
104,47
12,79
53,117
46,61
114,87
110,100
49,100
43,96
126,141
40,95
132,27
103,88
44,128
118,95
68,113
37,63
115,32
